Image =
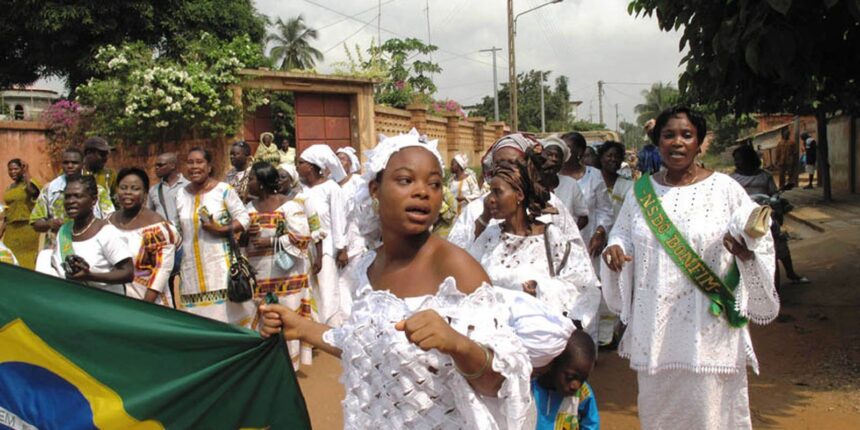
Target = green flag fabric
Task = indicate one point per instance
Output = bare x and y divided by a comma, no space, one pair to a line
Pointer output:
75,357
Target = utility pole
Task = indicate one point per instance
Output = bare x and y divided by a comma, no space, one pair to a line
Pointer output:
591,110
512,68
600,100
542,107
427,10
616,117
495,82
379,22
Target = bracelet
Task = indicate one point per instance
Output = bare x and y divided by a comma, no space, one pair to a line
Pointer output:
480,372
480,221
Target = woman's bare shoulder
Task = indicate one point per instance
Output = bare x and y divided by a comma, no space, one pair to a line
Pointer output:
451,260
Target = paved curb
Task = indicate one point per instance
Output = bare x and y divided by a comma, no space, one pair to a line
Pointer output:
806,222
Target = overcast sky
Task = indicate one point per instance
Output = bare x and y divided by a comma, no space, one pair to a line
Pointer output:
585,40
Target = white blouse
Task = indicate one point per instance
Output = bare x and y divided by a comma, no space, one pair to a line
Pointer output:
326,200
669,322
597,199
466,189
102,252
512,260
569,192
391,383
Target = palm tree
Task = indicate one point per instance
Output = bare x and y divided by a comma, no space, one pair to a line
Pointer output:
292,48
657,99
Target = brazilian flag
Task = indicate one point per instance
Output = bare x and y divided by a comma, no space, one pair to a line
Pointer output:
73,357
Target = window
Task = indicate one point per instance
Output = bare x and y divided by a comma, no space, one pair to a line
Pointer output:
19,112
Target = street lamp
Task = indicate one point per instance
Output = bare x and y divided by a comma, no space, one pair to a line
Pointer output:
512,67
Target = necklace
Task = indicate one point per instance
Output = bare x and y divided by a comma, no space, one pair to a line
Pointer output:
79,234
666,180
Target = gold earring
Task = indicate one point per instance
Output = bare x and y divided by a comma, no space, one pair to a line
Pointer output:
374,203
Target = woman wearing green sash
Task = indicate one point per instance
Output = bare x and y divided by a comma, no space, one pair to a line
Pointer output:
89,249
685,277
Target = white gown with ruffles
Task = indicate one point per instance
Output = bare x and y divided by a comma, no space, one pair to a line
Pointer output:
672,339
391,383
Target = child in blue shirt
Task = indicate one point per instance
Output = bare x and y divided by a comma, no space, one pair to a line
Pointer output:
562,398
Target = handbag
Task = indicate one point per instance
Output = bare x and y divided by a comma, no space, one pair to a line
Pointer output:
242,283
756,225
282,259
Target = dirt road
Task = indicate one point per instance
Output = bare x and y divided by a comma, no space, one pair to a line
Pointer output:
810,357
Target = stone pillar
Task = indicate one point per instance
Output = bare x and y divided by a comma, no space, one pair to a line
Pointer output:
477,137
418,116
452,130
237,102
499,128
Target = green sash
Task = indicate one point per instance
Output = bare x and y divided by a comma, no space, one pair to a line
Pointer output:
64,240
721,292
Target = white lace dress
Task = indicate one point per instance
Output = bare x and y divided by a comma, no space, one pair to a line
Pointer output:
391,383
510,260
672,340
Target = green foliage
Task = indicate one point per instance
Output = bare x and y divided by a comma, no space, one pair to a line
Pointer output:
583,125
632,135
292,45
283,116
140,97
57,37
356,65
765,56
559,113
408,79
657,99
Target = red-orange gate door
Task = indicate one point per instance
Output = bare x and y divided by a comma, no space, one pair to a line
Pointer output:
322,118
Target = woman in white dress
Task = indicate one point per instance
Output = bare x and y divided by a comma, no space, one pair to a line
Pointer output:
463,184
151,240
593,192
276,246
476,216
526,252
557,153
320,170
88,249
209,212
427,344
610,156
687,336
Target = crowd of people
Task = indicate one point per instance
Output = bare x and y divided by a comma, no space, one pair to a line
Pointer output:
452,300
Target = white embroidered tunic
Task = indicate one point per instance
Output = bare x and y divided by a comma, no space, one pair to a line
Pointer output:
391,383
569,192
669,322
510,260
597,199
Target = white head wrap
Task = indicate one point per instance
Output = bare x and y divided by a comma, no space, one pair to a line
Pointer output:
461,160
377,159
322,156
291,170
556,141
354,164
517,141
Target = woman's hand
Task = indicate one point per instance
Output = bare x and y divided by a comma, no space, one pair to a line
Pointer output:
530,287
615,258
427,330
342,258
263,242
80,269
253,229
55,224
279,320
212,227
597,242
738,249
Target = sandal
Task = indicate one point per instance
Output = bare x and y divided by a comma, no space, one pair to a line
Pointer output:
800,280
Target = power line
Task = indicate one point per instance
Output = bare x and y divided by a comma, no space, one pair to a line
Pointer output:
355,15
346,38
456,54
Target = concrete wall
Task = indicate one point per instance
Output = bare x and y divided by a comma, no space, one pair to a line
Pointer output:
25,140
470,136
144,156
842,170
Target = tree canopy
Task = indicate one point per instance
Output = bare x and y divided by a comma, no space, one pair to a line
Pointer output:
292,44
765,56
61,38
559,113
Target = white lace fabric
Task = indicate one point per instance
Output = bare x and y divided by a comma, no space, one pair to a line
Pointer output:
669,322
391,383
511,260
